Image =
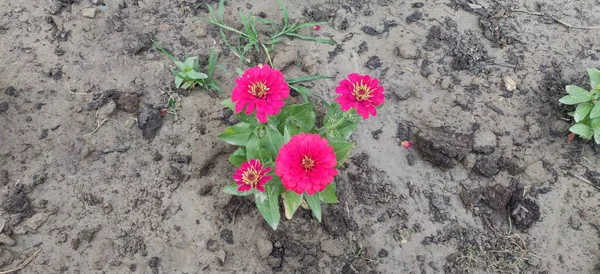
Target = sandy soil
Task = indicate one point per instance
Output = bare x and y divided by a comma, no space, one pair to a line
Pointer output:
491,184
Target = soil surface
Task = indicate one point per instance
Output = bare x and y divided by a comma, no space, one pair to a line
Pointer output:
94,179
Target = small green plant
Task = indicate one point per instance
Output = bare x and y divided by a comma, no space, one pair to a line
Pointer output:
188,74
587,112
249,37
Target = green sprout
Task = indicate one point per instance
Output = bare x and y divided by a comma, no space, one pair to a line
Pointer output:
587,112
249,36
188,74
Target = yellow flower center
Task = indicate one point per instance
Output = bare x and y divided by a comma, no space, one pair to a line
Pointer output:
361,91
259,90
307,162
251,177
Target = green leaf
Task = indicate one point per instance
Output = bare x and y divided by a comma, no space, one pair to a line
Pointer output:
178,82
291,202
180,65
575,90
189,62
187,84
314,201
595,124
595,113
237,134
221,9
310,38
328,195
173,58
307,78
269,207
576,95
582,130
290,130
272,140
594,77
597,136
255,150
582,111
232,190
342,150
238,156
337,124
285,14
301,115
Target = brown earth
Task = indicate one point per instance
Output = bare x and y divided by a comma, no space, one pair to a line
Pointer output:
490,185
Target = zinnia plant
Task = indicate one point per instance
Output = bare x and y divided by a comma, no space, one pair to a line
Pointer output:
281,152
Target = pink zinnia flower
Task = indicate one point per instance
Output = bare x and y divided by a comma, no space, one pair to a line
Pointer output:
306,163
250,175
360,92
261,88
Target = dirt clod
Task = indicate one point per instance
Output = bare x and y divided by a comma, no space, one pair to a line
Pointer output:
487,166
17,203
3,106
227,236
416,16
153,264
442,146
149,121
87,234
4,179
524,213
128,102
5,257
374,62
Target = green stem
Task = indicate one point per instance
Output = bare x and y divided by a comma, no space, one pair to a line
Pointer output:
268,56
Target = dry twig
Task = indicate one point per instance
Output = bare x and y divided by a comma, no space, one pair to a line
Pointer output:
24,263
565,24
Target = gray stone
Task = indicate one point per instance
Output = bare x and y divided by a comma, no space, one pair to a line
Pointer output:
332,247
535,132
559,128
107,109
484,141
3,106
446,82
264,247
221,256
5,257
6,240
285,58
36,221
469,161
407,51
201,29
535,174
103,252
89,12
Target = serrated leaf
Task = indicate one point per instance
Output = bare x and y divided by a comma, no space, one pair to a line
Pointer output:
342,150
582,130
231,189
595,113
594,77
238,157
328,195
237,134
291,202
269,207
582,111
314,201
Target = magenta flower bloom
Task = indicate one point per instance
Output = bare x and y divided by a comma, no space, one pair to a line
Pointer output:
306,164
250,175
260,88
360,92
